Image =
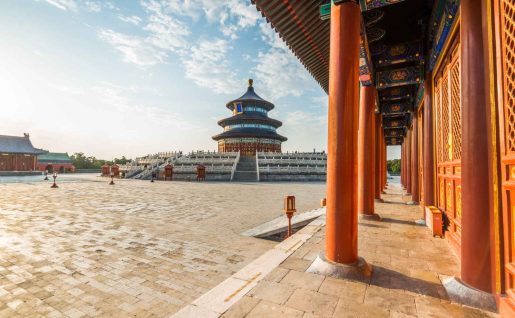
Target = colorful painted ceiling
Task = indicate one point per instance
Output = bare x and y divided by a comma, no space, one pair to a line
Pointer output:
399,40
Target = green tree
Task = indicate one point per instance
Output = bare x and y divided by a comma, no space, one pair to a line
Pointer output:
394,166
80,161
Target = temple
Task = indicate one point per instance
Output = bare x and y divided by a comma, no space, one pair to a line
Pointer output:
55,162
436,77
18,154
249,129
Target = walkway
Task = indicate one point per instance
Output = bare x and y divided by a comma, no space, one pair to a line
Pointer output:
408,267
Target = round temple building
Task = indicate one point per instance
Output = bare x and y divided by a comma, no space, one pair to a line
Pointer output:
249,129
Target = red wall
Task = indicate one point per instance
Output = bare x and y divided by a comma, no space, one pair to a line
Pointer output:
68,167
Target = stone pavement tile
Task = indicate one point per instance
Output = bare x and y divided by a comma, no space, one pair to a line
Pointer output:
296,264
7,312
263,264
351,290
223,296
241,308
424,284
390,299
435,308
268,309
346,309
74,313
310,301
303,280
396,314
273,292
84,245
276,275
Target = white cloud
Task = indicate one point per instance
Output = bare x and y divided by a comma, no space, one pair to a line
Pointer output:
166,32
279,69
134,19
231,15
93,6
66,5
207,67
281,73
118,99
134,49
298,119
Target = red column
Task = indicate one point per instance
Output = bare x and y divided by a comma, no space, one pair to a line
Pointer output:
384,162
341,236
377,161
366,144
429,164
477,269
408,162
404,146
380,158
405,159
403,163
415,197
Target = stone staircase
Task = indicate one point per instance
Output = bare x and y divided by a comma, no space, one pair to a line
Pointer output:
246,170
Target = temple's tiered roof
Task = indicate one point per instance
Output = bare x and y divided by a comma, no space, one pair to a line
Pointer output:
250,118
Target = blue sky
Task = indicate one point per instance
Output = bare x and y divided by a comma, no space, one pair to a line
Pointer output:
114,78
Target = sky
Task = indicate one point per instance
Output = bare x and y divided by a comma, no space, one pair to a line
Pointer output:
113,78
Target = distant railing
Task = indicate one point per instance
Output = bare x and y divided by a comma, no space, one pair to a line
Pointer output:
257,166
235,165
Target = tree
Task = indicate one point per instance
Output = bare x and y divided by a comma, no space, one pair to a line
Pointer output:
80,161
394,166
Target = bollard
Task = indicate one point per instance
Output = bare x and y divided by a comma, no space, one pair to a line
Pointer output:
323,202
54,185
289,209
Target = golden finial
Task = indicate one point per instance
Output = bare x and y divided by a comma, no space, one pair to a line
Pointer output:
250,82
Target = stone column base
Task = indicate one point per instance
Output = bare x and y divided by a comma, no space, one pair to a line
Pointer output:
379,200
360,270
412,203
371,217
461,293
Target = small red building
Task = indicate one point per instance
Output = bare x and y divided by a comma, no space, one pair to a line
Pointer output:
55,162
18,154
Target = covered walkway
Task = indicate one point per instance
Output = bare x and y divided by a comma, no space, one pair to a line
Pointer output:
408,268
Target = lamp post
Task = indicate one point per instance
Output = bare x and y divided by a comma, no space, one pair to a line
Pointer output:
46,175
112,178
289,209
54,185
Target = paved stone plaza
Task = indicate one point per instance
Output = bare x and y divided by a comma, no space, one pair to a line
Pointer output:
136,249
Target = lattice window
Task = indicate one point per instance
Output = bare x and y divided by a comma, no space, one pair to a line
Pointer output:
456,109
508,48
438,116
445,117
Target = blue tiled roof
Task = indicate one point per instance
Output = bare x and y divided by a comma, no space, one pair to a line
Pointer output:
14,144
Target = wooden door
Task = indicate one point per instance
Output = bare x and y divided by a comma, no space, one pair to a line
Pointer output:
6,162
447,98
506,33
